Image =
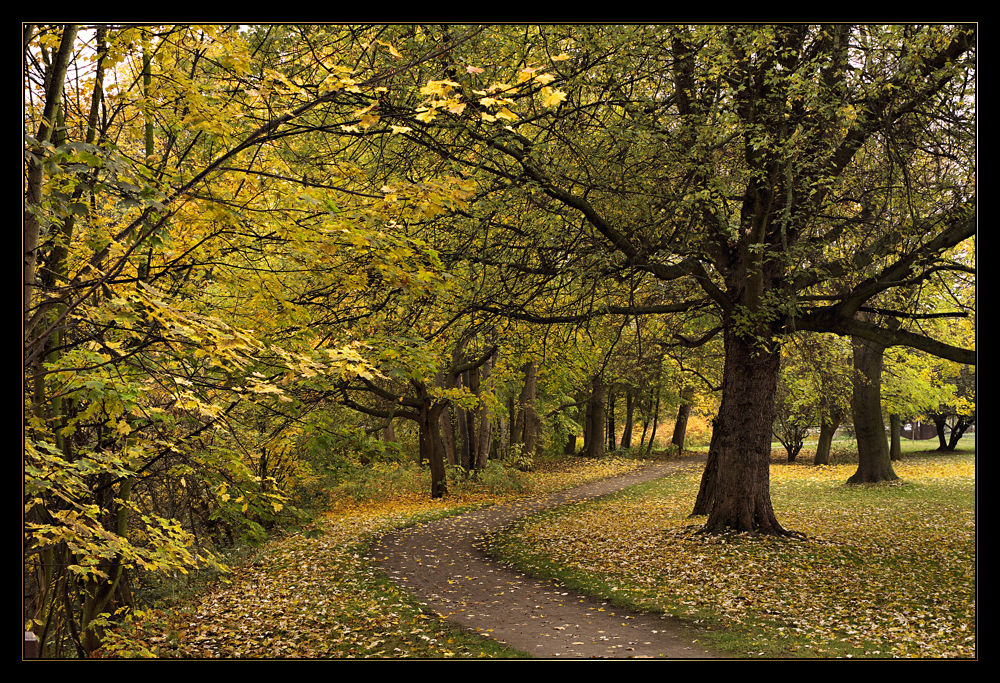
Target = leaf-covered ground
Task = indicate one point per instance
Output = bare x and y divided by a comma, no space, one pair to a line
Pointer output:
313,595
885,571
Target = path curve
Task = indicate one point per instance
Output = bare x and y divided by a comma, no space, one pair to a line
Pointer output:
442,564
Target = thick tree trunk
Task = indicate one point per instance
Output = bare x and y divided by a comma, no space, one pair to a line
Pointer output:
874,464
448,436
431,448
958,430
683,414
594,447
389,432
737,477
827,429
940,426
527,417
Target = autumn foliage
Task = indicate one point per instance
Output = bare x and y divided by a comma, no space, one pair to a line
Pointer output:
270,268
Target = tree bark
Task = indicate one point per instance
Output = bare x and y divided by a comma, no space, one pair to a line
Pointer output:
958,430
827,429
594,447
626,441
895,448
656,420
612,445
527,417
485,427
431,448
737,479
940,425
31,227
448,436
874,464
683,414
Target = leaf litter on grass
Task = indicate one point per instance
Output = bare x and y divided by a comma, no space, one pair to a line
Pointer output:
314,595
883,572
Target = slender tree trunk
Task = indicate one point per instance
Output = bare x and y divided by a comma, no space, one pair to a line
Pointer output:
737,478
683,414
895,448
31,227
147,81
656,421
463,440
626,441
485,427
827,429
612,445
874,464
471,421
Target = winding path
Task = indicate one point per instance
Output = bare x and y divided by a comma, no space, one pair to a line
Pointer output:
442,565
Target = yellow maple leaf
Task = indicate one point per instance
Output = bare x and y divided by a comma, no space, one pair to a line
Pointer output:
427,115
552,97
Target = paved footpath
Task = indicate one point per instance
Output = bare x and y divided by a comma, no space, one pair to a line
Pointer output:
442,565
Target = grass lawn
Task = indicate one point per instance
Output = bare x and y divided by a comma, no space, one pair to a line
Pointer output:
886,571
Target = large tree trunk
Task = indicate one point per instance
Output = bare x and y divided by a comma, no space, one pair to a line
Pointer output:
448,436
874,464
740,455
389,432
527,420
431,448
940,426
594,447
683,414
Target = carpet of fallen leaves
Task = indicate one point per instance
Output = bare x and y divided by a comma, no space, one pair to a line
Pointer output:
313,594
884,571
